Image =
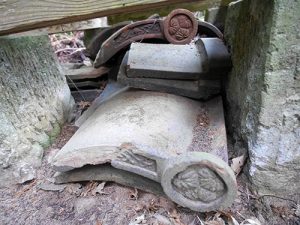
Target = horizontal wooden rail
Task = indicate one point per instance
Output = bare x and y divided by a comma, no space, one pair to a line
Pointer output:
75,26
19,15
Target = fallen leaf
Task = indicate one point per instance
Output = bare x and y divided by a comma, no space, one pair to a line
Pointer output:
217,215
83,104
162,219
175,218
200,221
138,220
218,221
133,194
166,204
153,206
230,219
237,164
74,189
28,186
139,207
252,221
89,187
99,189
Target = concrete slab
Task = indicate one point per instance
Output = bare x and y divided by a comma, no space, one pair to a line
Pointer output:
109,173
153,134
112,89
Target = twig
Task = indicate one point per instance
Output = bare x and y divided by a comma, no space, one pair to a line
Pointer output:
78,50
76,88
241,215
68,49
274,196
29,186
200,220
146,31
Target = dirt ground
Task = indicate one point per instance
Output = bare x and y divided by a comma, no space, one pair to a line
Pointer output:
99,203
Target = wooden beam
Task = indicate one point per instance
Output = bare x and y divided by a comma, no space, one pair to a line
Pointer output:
19,15
164,10
82,25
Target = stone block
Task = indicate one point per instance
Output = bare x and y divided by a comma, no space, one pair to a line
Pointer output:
207,59
263,91
198,89
166,61
216,16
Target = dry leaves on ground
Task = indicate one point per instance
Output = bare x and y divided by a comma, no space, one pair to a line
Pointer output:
223,218
88,188
68,46
175,217
99,189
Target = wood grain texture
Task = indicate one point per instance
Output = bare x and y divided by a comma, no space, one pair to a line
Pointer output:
22,15
82,25
85,72
164,10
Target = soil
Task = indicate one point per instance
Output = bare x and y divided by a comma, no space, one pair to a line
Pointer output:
113,204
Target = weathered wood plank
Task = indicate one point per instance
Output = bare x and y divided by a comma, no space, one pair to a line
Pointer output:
19,15
164,10
82,25
85,72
